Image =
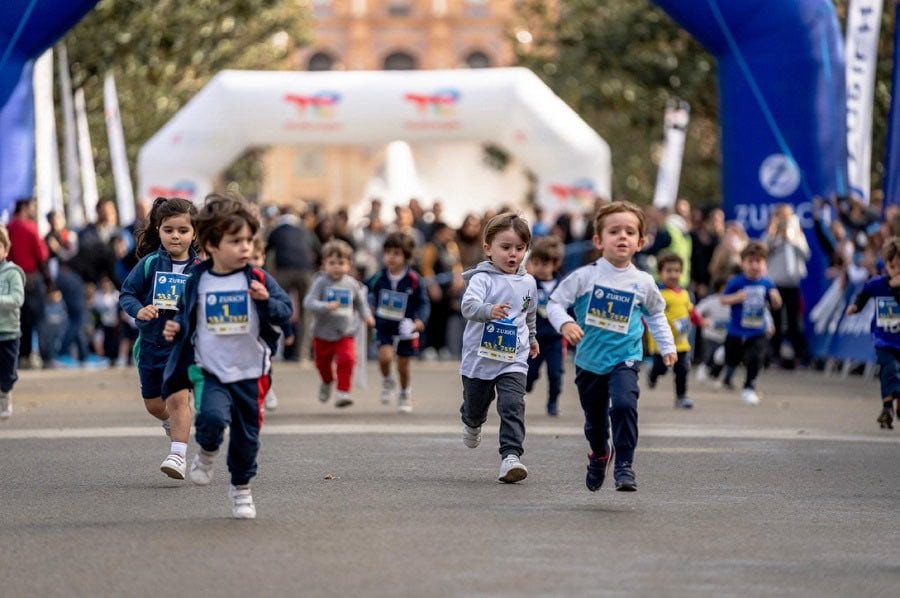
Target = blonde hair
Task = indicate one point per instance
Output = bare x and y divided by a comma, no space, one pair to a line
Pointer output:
619,207
4,236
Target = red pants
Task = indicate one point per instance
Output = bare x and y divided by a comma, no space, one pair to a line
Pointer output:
341,351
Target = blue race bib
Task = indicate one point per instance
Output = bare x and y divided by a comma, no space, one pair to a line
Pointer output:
499,341
887,314
228,312
391,305
344,297
168,287
610,309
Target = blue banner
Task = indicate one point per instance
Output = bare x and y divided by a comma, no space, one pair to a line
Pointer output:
892,159
17,145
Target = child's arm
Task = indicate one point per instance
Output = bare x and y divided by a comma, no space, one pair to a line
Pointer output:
563,296
733,293
531,322
473,305
654,309
423,309
860,302
361,305
16,296
133,291
279,304
775,298
312,301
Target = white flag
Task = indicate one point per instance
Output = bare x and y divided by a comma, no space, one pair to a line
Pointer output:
117,154
90,196
74,207
863,28
669,175
46,154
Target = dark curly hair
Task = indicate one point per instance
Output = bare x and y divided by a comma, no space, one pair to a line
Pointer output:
147,237
223,215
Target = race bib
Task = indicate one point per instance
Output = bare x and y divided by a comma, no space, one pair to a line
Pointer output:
167,289
753,309
682,326
543,300
344,297
610,309
228,312
887,314
391,305
499,341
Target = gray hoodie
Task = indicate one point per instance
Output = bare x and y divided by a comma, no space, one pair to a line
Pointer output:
12,296
344,321
488,347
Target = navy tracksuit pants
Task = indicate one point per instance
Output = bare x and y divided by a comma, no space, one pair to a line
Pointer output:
237,405
610,398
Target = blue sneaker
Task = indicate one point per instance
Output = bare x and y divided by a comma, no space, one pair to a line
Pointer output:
597,467
624,474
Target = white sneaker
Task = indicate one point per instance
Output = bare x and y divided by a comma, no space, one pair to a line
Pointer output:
749,397
242,506
342,399
271,401
202,468
6,406
173,466
404,402
167,427
387,390
471,436
702,373
512,470
324,392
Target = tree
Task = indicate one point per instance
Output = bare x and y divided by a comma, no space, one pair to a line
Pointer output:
164,52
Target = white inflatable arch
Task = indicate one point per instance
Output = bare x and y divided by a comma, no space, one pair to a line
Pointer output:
510,107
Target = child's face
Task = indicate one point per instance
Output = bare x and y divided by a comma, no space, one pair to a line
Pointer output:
893,266
233,252
336,266
106,285
753,266
4,251
176,234
670,275
620,238
394,260
506,251
542,269
257,258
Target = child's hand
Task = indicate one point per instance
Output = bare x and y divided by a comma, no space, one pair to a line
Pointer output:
740,296
370,321
148,312
572,332
500,311
290,340
894,282
851,309
333,305
535,350
669,359
420,326
171,330
258,291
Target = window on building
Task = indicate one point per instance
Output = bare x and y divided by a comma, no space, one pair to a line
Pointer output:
478,60
399,8
321,61
400,61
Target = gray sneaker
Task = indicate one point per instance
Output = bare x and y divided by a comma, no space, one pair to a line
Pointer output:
324,392
471,436
5,405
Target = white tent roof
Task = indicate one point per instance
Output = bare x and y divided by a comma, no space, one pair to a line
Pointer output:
508,106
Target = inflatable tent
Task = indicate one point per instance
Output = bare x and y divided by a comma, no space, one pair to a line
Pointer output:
510,107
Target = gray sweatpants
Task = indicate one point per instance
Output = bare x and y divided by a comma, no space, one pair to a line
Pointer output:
510,392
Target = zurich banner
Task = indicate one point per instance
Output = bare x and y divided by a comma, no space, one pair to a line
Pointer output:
17,145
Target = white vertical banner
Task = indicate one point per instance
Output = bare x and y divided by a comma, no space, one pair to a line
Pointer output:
863,28
46,154
89,196
675,122
117,154
74,207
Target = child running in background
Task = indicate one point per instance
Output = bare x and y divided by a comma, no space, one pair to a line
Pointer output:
543,265
748,294
402,308
258,260
336,300
12,297
715,316
105,304
681,315
610,296
885,328
500,304
150,295
225,340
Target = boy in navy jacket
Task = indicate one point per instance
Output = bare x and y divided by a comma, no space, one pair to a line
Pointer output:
546,258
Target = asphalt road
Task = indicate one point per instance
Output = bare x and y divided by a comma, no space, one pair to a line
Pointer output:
798,496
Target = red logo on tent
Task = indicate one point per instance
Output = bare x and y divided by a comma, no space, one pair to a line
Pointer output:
319,105
440,103
582,189
182,189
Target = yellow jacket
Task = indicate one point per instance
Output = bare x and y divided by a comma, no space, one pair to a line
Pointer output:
679,313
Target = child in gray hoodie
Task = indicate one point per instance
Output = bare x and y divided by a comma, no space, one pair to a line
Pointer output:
12,296
500,304
337,301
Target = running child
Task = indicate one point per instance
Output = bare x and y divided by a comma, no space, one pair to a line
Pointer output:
716,316
258,260
749,294
500,304
337,301
12,297
681,315
610,297
150,295
885,328
401,305
544,263
226,336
